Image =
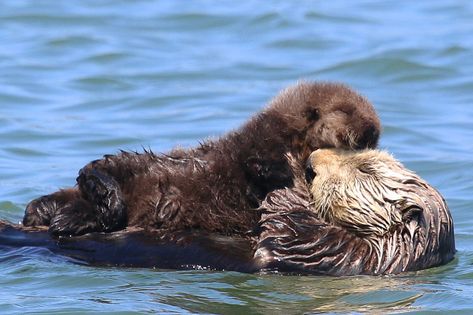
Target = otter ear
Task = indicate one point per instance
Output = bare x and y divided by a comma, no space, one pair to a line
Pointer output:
312,114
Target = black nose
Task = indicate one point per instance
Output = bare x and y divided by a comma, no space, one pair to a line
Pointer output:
369,138
309,172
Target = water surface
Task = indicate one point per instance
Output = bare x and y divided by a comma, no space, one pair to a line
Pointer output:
81,79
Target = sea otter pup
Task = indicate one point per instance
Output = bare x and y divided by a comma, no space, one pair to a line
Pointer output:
363,213
216,186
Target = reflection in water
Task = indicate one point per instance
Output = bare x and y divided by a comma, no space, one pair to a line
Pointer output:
235,293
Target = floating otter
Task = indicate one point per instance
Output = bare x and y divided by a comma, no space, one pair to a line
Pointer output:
215,186
350,213
367,214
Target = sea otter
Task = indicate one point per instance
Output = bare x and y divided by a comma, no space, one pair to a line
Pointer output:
349,213
361,213
216,186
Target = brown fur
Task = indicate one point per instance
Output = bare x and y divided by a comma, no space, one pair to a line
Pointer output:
217,185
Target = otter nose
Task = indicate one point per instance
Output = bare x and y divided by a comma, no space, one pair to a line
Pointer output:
369,138
309,172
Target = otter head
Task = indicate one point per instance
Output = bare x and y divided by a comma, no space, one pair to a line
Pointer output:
368,192
327,115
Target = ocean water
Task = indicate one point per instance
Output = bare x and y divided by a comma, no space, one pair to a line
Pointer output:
79,79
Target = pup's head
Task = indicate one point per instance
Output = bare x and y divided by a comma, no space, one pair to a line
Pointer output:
327,115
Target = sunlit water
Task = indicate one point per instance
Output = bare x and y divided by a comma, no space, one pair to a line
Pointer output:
79,79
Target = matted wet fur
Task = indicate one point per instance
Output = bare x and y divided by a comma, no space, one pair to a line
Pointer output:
362,213
216,186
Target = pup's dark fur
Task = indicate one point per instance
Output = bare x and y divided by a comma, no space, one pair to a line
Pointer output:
217,185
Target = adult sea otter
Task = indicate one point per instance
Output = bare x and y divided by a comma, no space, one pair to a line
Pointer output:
349,213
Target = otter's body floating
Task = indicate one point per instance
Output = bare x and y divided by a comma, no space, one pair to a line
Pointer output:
360,213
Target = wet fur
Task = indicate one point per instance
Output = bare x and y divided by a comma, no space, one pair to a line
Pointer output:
216,186
362,213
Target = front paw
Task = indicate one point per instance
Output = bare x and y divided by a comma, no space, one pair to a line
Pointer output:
39,211
104,193
100,188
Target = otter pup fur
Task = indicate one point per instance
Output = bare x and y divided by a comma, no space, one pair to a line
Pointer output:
216,186
361,213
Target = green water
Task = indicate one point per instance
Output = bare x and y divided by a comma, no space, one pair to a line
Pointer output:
79,79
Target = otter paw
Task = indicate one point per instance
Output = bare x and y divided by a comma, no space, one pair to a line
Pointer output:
99,188
39,211
104,193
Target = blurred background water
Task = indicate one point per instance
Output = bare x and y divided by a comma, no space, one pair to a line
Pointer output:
79,79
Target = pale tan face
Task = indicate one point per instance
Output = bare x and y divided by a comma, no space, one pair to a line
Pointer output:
357,190
331,165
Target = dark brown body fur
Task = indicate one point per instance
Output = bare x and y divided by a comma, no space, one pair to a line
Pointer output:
216,186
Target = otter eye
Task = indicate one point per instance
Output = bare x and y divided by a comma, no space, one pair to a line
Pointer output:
309,174
312,114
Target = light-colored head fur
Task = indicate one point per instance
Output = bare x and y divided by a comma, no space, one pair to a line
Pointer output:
405,221
364,191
